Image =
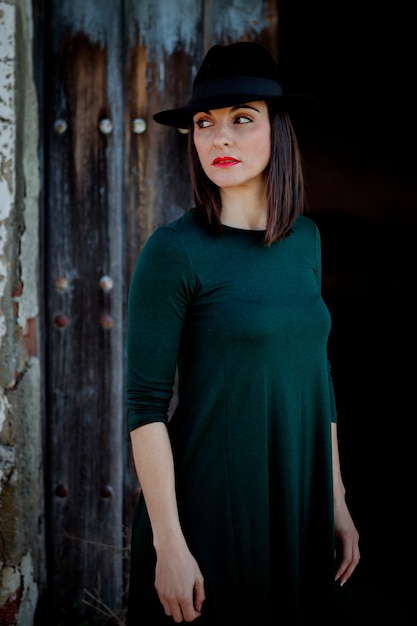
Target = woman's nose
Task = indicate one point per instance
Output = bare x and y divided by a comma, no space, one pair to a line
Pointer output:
222,136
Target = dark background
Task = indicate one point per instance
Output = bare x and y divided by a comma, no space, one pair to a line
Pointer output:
360,164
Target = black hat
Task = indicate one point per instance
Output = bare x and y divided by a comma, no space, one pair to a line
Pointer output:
232,74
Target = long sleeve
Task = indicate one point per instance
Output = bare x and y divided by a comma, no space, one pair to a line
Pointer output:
159,294
319,272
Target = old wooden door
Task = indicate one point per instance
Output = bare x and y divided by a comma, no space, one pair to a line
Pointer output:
111,175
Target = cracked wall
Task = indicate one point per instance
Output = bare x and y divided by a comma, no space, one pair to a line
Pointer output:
21,482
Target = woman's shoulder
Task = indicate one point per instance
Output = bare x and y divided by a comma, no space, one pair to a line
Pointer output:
186,230
307,229
184,224
305,235
305,224
175,239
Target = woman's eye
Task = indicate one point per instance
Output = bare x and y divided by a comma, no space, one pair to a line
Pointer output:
243,119
202,123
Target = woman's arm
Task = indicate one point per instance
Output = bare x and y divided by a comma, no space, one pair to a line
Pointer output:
178,579
345,529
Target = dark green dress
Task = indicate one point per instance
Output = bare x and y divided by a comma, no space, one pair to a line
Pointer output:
251,434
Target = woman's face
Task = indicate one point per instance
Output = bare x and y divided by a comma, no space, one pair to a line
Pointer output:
234,144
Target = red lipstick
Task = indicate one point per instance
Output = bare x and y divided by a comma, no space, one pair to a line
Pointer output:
224,161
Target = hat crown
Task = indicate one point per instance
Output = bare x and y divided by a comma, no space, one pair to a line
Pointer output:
243,58
230,75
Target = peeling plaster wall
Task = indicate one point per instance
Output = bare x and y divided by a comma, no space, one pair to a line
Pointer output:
21,483
7,191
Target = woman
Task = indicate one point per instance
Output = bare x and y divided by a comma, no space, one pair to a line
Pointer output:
242,506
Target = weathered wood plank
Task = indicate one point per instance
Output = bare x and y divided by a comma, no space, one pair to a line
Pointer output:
162,41
246,20
83,228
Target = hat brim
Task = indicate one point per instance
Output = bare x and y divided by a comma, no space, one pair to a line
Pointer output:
182,116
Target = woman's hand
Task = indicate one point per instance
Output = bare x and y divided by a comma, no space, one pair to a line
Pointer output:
347,536
179,583
348,540
178,580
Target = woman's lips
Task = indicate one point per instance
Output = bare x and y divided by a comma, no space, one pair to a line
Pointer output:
225,161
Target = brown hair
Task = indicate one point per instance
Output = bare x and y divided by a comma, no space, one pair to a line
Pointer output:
285,183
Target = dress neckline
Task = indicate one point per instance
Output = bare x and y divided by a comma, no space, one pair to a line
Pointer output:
236,229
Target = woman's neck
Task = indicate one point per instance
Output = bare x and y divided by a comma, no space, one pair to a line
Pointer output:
243,210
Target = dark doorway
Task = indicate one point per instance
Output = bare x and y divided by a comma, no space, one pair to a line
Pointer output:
360,167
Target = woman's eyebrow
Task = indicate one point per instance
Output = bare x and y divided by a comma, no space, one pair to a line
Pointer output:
244,106
233,108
